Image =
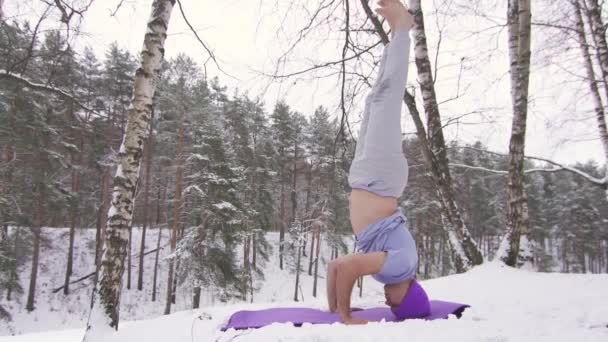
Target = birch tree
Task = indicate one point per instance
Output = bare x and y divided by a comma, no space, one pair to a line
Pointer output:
593,13
465,252
518,252
106,301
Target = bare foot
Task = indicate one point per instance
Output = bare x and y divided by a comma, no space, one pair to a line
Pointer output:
396,13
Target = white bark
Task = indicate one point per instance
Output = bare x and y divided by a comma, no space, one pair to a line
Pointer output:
104,315
465,252
593,13
519,17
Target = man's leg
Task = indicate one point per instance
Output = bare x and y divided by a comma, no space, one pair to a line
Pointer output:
363,129
331,287
379,165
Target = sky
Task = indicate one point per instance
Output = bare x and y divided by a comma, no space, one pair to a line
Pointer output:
473,84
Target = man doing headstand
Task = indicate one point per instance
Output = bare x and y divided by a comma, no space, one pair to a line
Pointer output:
378,176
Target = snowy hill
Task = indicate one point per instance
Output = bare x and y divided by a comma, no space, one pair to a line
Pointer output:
507,305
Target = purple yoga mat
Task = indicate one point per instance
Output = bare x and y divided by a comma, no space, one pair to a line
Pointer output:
257,319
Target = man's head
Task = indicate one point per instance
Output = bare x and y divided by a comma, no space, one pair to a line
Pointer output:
407,299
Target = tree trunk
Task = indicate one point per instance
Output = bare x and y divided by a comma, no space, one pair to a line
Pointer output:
307,209
252,269
102,213
129,239
294,215
105,312
282,217
465,252
598,33
247,265
606,256
254,255
318,249
518,252
148,168
196,298
177,213
31,295
295,295
312,246
13,271
312,233
73,216
160,229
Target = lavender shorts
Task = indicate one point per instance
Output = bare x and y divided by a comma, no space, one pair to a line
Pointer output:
390,234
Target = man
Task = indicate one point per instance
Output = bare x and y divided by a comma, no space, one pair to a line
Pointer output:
378,176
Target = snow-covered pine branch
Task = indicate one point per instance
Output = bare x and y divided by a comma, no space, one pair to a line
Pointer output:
43,87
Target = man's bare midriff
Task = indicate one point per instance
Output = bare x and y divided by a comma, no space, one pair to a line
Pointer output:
367,207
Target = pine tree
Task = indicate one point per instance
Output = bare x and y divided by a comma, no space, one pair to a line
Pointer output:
119,68
282,131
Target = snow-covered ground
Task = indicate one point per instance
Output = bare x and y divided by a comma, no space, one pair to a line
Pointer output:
56,311
507,305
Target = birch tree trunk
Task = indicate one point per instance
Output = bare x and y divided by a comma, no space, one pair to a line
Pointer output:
598,33
104,315
516,249
465,252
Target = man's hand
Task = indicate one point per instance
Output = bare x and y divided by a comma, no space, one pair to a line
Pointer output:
350,320
347,269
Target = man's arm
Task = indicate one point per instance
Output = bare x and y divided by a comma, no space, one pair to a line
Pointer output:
331,286
347,269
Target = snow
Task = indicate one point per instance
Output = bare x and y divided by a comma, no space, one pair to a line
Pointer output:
224,205
507,305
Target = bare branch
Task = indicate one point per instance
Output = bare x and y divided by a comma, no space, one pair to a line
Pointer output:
117,8
321,66
457,96
212,56
344,117
555,26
